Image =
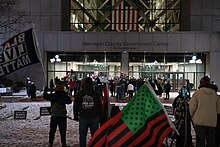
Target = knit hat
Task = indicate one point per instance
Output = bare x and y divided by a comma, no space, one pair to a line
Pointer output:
59,87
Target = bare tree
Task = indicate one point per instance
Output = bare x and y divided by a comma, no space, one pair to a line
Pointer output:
12,19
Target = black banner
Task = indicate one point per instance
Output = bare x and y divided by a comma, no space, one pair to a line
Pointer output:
18,52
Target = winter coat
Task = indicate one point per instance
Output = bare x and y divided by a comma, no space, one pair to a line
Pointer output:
167,88
58,100
204,106
87,104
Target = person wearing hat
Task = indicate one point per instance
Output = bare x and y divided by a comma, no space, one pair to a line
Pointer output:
204,107
87,110
58,111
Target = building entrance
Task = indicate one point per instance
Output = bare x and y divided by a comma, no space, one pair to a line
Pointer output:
176,79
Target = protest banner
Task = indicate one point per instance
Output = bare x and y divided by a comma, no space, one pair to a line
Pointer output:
18,52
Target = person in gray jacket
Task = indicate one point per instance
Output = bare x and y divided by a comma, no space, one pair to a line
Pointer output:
204,107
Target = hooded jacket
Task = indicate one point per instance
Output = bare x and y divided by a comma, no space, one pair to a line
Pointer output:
88,103
205,105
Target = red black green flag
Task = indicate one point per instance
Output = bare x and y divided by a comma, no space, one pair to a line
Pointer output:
105,105
142,122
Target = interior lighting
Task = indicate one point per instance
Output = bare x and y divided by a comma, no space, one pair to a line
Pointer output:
199,61
194,57
192,61
56,59
195,60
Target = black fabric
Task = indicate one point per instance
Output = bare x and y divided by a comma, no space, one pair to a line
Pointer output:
87,103
61,122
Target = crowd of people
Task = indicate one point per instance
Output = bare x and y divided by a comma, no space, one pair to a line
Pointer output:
201,109
119,87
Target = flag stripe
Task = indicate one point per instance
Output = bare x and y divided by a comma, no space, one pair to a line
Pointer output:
124,138
154,135
165,133
116,136
102,132
124,17
143,122
147,133
150,125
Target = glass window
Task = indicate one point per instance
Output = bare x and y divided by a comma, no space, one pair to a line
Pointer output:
84,64
170,66
113,15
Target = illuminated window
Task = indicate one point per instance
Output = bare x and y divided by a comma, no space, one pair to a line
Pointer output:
125,15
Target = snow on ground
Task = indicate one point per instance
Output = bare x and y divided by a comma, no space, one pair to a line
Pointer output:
34,130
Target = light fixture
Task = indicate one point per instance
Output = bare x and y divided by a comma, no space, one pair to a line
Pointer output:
199,61
55,59
194,57
192,61
52,60
195,60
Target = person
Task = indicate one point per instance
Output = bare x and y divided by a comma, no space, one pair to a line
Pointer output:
130,90
204,107
182,118
87,110
58,111
119,92
158,89
28,88
51,85
33,91
71,86
99,86
112,88
188,87
167,89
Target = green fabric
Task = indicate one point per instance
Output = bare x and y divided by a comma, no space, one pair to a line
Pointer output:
58,108
142,106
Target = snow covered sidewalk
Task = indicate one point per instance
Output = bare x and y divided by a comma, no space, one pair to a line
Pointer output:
33,131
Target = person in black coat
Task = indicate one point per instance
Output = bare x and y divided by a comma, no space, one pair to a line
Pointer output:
87,110
58,111
33,91
167,89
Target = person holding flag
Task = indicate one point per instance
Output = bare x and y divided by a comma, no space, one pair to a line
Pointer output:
142,122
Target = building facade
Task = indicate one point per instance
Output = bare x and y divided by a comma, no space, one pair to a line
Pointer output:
174,40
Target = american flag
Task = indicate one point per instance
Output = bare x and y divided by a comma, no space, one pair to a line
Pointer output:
124,17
